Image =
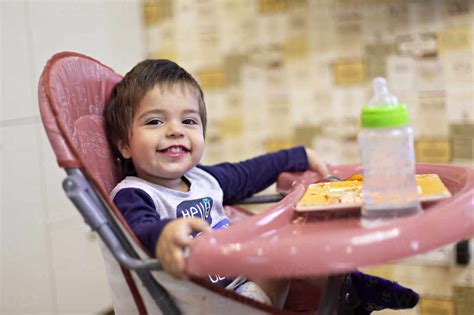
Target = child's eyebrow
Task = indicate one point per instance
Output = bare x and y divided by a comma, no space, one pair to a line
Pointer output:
162,111
151,112
191,111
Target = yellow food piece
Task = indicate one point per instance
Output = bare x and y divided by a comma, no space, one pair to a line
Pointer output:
430,184
331,193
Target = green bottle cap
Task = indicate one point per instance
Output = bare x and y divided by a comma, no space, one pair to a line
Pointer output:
384,116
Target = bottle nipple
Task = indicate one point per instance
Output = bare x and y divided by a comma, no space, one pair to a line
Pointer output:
382,96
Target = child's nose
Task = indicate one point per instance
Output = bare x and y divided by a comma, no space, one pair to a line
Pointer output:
175,129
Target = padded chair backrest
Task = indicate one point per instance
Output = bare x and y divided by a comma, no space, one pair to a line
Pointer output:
73,92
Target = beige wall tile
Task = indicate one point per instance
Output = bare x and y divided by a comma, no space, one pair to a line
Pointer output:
27,277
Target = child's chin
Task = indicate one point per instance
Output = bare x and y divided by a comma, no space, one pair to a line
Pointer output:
175,174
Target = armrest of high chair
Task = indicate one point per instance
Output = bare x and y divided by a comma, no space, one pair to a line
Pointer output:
90,206
269,198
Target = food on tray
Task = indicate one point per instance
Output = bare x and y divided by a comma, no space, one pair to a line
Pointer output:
347,194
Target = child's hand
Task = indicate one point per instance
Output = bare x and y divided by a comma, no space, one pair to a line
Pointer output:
315,163
175,236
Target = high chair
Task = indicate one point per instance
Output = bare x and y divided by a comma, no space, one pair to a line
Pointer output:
73,91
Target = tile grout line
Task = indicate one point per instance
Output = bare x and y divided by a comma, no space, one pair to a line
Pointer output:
19,121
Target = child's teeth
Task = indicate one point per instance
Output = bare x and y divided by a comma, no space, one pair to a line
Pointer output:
175,149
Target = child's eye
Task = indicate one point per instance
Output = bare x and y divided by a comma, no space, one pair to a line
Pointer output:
189,121
154,121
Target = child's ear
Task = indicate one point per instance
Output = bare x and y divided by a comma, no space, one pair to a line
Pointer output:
124,149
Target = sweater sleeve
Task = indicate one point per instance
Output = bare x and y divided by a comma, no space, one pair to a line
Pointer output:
139,211
243,179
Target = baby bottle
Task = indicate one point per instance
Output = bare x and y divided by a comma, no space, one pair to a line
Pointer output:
388,160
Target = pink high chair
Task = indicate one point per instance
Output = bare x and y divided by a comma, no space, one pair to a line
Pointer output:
73,91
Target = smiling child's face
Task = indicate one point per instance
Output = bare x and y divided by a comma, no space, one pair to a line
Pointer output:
166,138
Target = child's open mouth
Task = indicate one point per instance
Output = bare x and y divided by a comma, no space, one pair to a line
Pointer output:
174,151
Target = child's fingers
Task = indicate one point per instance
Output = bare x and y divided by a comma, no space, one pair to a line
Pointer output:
175,237
322,169
174,262
178,259
198,225
183,237
182,240
172,258
316,163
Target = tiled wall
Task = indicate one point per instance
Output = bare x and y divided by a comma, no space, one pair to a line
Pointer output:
278,73
50,262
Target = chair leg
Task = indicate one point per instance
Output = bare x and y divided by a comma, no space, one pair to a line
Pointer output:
463,253
330,297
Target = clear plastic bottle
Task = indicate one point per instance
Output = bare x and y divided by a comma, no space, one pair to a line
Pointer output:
388,160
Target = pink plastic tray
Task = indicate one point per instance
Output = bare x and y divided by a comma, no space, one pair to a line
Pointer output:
282,243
